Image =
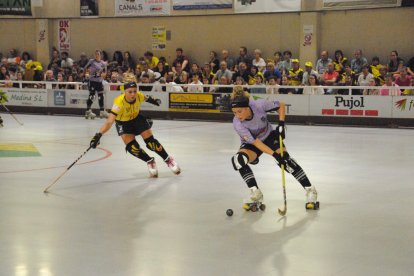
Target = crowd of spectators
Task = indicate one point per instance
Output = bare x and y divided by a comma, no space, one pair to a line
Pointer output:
265,75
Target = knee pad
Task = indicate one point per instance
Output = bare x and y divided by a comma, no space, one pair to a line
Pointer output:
91,96
239,160
290,164
134,148
153,144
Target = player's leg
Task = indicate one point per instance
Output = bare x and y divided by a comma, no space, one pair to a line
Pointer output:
101,100
89,114
248,154
154,145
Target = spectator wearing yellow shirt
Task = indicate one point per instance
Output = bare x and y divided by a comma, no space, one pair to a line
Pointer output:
151,59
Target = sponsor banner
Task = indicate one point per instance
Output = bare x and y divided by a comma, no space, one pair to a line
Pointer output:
403,107
59,97
142,7
295,104
163,96
201,4
64,35
354,106
199,102
159,38
26,97
352,4
253,6
14,7
89,8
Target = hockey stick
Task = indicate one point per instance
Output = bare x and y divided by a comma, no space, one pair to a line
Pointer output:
282,212
56,180
14,117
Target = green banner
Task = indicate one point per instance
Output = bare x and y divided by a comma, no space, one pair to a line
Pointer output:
15,7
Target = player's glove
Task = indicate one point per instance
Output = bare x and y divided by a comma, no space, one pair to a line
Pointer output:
95,140
153,101
280,129
279,158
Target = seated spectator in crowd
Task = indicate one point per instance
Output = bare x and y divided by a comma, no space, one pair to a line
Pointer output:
258,61
222,89
83,60
410,66
151,60
226,58
207,72
7,82
375,66
330,78
128,62
49,76
403,79
371,91
395,63
66,61
180,76
242,72
358,61
54,60
71,78
158,83
286,90
308,71
195,86
166,65
146,70
261,89
409,92
390,88
223,71
339,62
322,63
145,79
182,60
348,71
60,78
161,69
244,57
115,81
195,69
117,58
13,57
295,75
214,62
382,73
12,72
277,60
312,86
172,87
286,63
272,86
365,76
254,71
26,58
271,70
347,80
19,77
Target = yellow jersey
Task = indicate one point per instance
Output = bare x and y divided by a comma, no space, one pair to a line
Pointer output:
125,111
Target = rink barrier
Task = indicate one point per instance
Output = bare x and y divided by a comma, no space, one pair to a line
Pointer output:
302,109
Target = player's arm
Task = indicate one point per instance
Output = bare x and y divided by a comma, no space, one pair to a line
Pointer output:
151,100
262,146
104,128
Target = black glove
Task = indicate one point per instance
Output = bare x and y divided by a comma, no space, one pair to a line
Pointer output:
153,101
95,140
279,158
280,129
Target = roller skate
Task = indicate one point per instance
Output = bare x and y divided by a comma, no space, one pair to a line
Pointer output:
254,203
103,114
152,168
173,165
89,114
311,198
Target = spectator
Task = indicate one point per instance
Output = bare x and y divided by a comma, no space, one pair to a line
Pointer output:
308,71
285,90
229,61
223,71
295,75
195,86
54,60
83,60
254,71
272,86
223,80
322,63
26,58
403,79
347,80
151,60
128,62
12,73
410,66
271,70
409,91
348,71
145,79
286,63
358,61
60,78
49,76
390,88
207,73
365,76
258,61
373,90
166,65
161,69
277,60
259,82
117,59
180,76
66,61
244,57
115,81
71,78
157,84
374,67
340,62
312,86
195,69
172,87
13,57
19,77
329,78
242,72
214,62
146,70
182,60
382,73
395,63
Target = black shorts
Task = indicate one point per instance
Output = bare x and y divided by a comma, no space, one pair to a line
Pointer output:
95,86
272,141
135,126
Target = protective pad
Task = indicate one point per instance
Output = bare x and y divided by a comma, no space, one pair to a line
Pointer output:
134,149
153,144
239,160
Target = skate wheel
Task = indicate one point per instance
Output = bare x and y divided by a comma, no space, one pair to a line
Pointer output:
246,207
317,205
262,207
253,208
310,206
229,212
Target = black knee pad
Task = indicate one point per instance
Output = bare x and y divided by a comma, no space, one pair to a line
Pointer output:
134,148
153,144
290,164
239,160
91,96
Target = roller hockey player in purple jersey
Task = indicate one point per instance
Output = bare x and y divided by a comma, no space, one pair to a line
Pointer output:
96,67
257,136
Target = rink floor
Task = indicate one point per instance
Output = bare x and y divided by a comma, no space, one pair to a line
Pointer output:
106,217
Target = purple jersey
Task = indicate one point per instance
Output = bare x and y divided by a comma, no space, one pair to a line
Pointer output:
257,127
96,68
